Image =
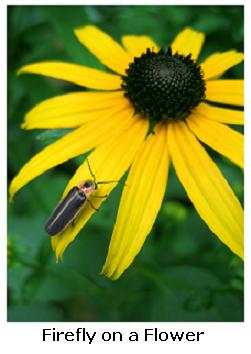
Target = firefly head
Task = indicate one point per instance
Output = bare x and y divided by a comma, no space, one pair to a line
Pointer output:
87,186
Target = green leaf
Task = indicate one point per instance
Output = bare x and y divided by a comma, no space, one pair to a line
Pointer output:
64,19
49,136
42,312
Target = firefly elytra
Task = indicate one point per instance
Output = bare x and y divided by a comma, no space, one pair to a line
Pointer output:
68,208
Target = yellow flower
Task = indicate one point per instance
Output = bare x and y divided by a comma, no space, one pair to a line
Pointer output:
149,88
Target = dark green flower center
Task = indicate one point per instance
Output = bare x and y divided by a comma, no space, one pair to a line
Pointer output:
164,86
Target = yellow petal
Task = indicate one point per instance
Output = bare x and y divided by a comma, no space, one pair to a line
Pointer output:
187,42
109,52
78,74
218,136
137,45
139,204
225,91
222,115
73,144
206,187
74,109
108,162
218,63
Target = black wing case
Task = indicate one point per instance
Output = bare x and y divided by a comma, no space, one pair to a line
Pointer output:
65,211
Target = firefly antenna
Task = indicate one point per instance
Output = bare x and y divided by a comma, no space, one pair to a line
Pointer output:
100,182
91,170
107,182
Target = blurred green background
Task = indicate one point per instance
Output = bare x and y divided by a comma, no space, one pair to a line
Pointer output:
183,272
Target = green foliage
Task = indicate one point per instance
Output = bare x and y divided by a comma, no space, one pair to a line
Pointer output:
183,273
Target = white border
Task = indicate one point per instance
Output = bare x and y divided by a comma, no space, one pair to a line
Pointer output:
219,337
125,2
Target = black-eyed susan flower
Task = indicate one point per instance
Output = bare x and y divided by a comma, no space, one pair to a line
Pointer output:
154,109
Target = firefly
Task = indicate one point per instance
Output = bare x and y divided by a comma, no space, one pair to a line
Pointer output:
68,208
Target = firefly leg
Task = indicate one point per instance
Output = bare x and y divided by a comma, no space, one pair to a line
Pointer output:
91,205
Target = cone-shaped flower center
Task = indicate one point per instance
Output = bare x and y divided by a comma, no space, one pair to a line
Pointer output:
163,86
